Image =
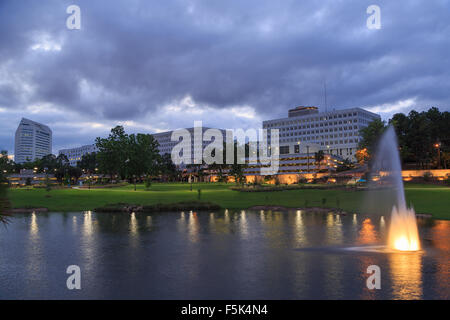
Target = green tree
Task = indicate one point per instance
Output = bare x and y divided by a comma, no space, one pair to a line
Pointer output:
370,135
221,168
6,166
237,172
167,169
319,156
143,156
344,166
112,154
88,162
74,174
88,165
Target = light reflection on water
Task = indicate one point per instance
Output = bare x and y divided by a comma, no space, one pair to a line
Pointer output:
441,240
406,274
239,254
367,234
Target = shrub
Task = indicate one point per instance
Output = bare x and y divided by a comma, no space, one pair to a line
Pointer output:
302,180
148,183
427,176
48,187
277,181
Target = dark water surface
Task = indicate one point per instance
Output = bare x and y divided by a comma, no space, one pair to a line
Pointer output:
221,255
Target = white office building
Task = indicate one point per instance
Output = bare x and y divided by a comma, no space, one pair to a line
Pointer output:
75,154
166,145
33,141
335,132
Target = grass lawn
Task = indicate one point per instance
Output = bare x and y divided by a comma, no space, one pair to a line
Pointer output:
425,198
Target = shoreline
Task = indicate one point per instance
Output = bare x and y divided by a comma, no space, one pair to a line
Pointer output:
141,209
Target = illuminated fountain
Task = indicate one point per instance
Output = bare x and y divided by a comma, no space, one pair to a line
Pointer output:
403,232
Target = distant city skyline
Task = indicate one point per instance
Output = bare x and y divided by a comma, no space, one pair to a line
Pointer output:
154,68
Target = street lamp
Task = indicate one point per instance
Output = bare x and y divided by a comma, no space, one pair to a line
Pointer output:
437,145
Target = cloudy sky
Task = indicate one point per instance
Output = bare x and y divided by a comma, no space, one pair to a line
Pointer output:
158,65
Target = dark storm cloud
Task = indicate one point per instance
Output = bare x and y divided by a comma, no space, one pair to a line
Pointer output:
134,58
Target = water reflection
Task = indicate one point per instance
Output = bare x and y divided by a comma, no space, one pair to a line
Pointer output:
133,225
406,274
88,243
299,230
193,227
243,224
334,229
273,228
367,234
333,277
74,224
382,222
364,262
227,217
88,227
441,240
220,255
34,228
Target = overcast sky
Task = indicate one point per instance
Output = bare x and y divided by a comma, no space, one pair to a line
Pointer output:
159,65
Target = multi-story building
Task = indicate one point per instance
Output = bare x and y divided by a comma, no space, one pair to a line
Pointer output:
336,132
298,161
166,144
75,154
33,141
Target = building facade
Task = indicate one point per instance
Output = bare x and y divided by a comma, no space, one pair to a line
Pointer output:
33,141
335,132
166,144
299,161
30,177
75,154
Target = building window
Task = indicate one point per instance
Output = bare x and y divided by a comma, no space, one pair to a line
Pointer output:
284,149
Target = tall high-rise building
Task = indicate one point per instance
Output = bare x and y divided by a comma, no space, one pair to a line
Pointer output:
335,132
33,141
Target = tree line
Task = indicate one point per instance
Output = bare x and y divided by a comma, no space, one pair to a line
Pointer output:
423,138
130,156
120,156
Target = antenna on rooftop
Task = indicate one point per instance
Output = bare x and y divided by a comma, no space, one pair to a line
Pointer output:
325,94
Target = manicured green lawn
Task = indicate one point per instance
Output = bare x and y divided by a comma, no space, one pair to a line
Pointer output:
424,198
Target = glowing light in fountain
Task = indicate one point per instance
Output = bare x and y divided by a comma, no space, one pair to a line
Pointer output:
403,232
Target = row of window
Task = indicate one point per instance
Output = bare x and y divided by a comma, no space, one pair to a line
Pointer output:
313,119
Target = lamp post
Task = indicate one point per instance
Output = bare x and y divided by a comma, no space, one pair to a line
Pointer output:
437,145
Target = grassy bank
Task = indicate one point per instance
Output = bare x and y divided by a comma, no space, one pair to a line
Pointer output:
425,199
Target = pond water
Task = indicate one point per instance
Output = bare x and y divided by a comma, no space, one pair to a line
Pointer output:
220,255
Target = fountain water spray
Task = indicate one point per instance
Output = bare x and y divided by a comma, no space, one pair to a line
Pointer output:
403,232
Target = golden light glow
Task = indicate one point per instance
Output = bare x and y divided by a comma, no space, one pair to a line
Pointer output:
406,275
367,233
403,232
